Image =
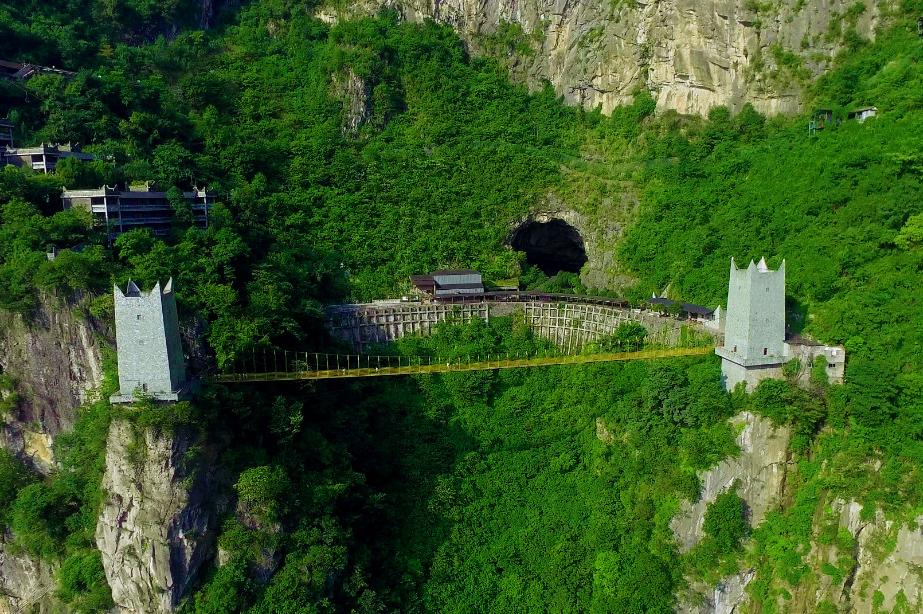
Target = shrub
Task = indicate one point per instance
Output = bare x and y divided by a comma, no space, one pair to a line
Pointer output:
82,582
726,522
13,477
37,519
260,489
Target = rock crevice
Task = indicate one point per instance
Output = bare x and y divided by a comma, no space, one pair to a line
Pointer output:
156,528
758,472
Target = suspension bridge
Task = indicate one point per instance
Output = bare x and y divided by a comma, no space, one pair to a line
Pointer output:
289,366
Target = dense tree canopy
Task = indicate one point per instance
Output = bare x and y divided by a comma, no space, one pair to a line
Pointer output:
350,156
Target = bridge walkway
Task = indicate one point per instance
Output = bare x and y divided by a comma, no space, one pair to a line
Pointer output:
340,366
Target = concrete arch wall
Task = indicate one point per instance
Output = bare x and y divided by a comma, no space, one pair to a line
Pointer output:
569,325
362,325
573,325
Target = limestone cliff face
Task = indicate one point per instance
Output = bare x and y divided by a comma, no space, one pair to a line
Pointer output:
26,583
156,527
859,564
758,474
692,54
54,360
356,97
879,558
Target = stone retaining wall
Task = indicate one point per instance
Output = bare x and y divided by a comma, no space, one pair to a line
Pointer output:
570,325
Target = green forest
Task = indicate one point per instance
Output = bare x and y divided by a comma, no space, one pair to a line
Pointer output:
526,490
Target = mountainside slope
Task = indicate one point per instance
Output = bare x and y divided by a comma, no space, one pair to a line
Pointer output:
350,156
693,55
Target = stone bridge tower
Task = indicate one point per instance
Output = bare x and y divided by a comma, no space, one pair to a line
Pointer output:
150,353
754,333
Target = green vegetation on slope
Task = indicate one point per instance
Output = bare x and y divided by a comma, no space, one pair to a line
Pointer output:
475,491
55,518
499,491
832,206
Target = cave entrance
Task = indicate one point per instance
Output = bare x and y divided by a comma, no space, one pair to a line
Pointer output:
552,246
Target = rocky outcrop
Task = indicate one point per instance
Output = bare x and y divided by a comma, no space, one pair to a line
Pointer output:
356,96
860,562
54,361
268,556
693,55
866,564
156,527
26,583
602,269
758,473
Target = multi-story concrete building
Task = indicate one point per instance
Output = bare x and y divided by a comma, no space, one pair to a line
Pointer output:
148,345
41,159
137,207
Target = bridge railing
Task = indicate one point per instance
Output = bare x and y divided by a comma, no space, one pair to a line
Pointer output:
274,365
283,361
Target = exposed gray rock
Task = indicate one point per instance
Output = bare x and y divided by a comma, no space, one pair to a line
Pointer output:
759,475
759,472
725,597
878,562
269,558
26,583
883,557
156,527
730,592
692,54
55,361
356,96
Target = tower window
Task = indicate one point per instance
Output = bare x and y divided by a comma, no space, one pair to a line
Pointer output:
765,351
138,316
735,349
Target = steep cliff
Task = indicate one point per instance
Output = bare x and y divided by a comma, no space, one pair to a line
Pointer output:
856,562
53,359
757,473
692,55
866,564
25,581
156,527
356,97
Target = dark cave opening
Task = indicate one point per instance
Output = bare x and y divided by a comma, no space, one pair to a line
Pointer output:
552,246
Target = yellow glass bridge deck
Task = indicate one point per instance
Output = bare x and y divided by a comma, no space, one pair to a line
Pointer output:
353,366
